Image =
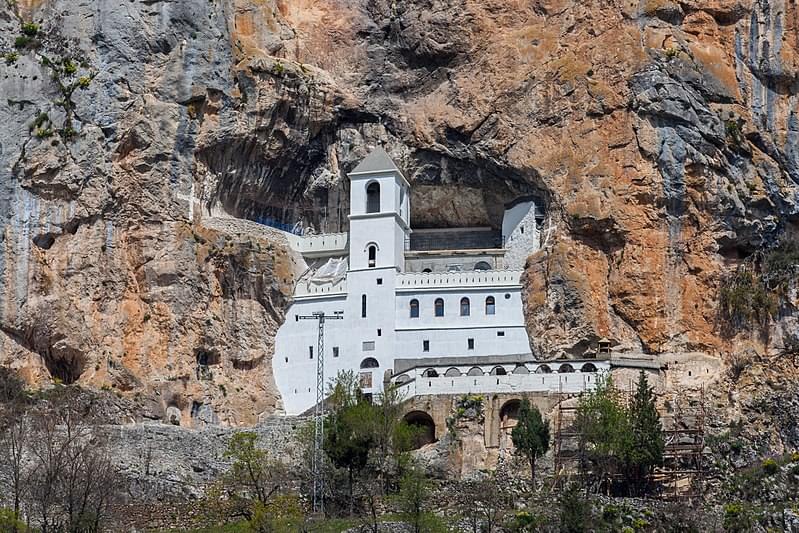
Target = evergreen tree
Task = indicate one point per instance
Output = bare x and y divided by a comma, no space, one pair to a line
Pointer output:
647,445
348,440
603,427
531,435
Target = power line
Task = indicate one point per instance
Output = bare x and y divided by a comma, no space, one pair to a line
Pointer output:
319,408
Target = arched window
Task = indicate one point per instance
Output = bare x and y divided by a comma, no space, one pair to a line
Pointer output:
372,255
430,373
426,270
414,308
521,369
491,307
588,367
565,368
439,307
482,265
452,372
498,371
370,362
465,310
373,197
475,371
543,369
363,306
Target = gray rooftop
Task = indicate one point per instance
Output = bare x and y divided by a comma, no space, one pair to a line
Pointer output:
377,161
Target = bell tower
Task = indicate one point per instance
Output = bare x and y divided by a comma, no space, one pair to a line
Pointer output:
379,213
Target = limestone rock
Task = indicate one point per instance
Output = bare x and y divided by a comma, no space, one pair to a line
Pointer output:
661,135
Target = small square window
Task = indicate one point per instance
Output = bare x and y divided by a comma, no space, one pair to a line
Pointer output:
368,346
471,344
379,281
500,333
379,332
335,351
425,346
310,352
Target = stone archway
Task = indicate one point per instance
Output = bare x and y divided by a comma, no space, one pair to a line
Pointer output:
509,413
425,428
508,418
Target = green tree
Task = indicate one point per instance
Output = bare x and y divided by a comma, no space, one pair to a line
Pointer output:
254,479
603,426
575,511
349,437
646,446
414,490
531,435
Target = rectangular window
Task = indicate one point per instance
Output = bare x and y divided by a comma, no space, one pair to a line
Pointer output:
500,333
335,351
368,346
310,352
363,306
379,281
471,344
366,380
379,332
287,359
425,346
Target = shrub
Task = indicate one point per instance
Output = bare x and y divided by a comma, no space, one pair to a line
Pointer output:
770,467
737,518
744,300
69,66
672,52
795,457
11,57
30,29
780,263
22,41
610,513
575,511
9,522
84,81
524,522
733,131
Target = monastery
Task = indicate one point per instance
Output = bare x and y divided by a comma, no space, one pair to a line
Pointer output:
435,311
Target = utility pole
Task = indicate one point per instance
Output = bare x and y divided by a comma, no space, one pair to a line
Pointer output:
319,409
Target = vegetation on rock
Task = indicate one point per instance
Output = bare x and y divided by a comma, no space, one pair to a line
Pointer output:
753,294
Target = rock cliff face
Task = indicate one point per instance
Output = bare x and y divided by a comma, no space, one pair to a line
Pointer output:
662,137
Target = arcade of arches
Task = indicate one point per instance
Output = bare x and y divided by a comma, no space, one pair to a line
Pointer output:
429,413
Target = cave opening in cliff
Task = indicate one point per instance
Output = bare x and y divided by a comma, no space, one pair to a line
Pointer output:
205,359
453,193
65,368
277,182
296,189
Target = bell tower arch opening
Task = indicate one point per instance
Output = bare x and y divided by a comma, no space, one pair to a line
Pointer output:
373,197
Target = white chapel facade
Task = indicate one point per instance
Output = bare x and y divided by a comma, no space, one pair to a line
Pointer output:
415,304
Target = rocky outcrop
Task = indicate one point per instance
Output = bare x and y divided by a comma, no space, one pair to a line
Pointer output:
659,136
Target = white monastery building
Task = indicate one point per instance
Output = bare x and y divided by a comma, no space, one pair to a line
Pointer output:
438,311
